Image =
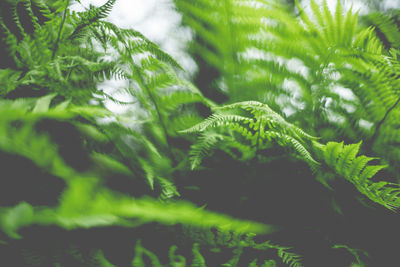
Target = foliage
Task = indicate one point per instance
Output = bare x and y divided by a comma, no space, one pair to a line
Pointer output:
320,62
234,168
265,126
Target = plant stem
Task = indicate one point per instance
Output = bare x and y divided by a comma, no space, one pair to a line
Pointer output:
379,124
233,67
55,48
156,107
258,136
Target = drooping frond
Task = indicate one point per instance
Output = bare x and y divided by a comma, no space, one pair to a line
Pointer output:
203,147
386,27
256,123
266,125
93,15
345,162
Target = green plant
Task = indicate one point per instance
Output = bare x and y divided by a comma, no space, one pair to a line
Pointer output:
234,168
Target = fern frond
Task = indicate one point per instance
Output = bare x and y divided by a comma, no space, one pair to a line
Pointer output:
292,259
304,154
198,259
168,189
386,28
344,160
93,15
358,165
140,251
216,120
347,156
202,148
263,126
135,42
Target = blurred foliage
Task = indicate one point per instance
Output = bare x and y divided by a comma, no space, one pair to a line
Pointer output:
278,153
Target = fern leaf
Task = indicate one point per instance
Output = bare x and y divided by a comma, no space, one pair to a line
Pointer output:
292,259
305,155
317,13
347,157
265,125
175,99
149,172
268,263
203,147
42,104
330,29
349,27
216,120
370,171
168,189
358,165
140,251
332,151
14,218
338,22
198,259
176,260
91,16
355,169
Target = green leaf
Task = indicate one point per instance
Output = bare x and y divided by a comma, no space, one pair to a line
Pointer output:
43,104
16,217
347,157
198,259
370,171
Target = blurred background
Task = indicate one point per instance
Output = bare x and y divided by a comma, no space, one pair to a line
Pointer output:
159,21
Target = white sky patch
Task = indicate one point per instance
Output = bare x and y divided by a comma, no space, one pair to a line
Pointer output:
143,16
296,65
345,93
125,13
392,4
294,88
335,118
365,124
